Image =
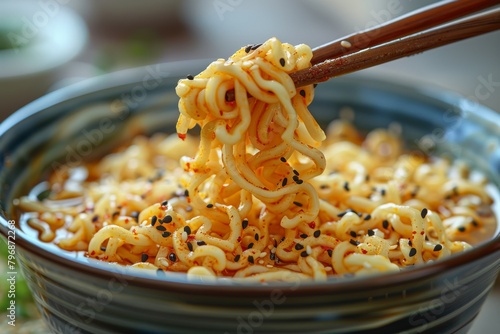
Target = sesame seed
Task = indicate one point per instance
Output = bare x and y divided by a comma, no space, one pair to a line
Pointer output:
423,213
371,233
297,203
283,159
382,192
299,181
201,243
299,247
345,44
317,233
250,259
172,257
295,178
210,205
166,234
255,46
263,254
413,251
248,48
330,252
256,237
309,250
475,223
190,246
353,234
135,215
346,186
184,236
164,203
302,93
354,242
295,172
187,229
115,214
438,247
461,229
272,256
103,248
282,61
186,193
385,224
95,219
368,217
167,219
190,77
144,257
250,245
343,213
161,228
153,220
410,243
304,254
324,186
244,223
303,235
284,182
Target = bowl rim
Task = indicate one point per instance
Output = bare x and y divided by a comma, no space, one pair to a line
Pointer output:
179,281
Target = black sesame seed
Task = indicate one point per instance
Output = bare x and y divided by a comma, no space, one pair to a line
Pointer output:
317,233
438,247
256,237
423,213
343,213
354,242
237,258
244,223
248,48
190,77
187,229
368,217
144,257
190,246
353,234
95,219
282,61
272,256
382,192
385,224
103,248
166,234
295,172
164,203
299,181
299,247
461,228
303,235
371,233
275,243
330,252
172,257
250,245
186,193
283,159
134,215
167,219
115,214
161,228
302,93
324,186
304,254
210,205
413,251
295,178
410,243
346,186
255,46
154,219
284,182
201,243
297,203
475,223
250,259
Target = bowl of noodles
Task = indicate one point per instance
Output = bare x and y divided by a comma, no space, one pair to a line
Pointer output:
150,201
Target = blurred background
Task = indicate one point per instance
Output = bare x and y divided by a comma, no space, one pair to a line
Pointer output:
49,44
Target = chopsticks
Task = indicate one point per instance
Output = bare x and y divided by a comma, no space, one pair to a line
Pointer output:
355,52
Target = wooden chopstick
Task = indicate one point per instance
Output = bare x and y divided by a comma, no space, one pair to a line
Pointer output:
419,20
455,31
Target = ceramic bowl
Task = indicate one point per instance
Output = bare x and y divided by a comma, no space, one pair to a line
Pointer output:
79,295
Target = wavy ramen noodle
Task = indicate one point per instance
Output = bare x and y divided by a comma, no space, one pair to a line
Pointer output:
263,194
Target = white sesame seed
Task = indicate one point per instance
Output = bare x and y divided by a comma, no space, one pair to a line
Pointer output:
184,236
345,44
309,250
263,254
273,250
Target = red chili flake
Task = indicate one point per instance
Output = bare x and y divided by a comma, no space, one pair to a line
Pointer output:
181,136
422,232
413,232
364,251
312,224
92,253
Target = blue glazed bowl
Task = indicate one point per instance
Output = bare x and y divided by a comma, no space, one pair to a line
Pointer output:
79,295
